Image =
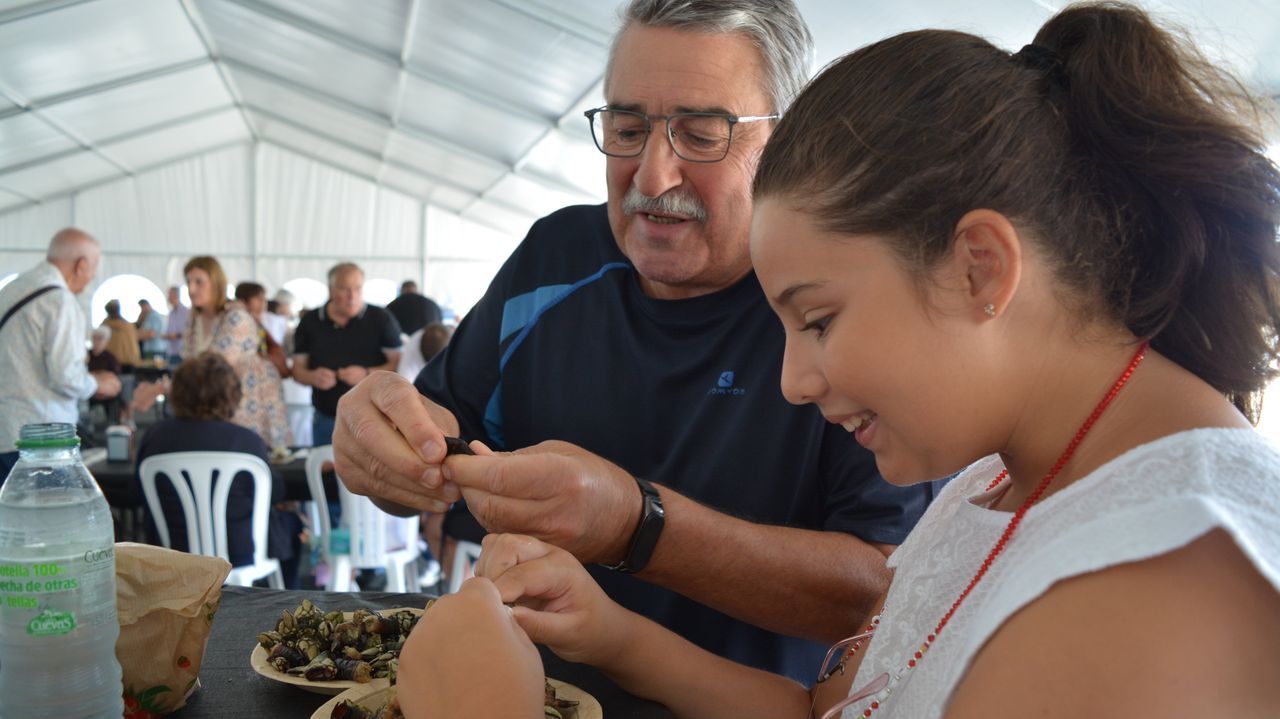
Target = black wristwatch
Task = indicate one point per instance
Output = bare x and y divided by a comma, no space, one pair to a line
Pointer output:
652,519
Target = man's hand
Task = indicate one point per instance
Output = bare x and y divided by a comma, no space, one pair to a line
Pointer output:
352,374
323,378
388,442
555,491
459,651
108,384
557,602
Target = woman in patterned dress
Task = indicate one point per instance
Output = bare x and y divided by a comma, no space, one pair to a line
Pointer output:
227,328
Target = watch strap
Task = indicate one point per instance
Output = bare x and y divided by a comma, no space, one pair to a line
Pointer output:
645,539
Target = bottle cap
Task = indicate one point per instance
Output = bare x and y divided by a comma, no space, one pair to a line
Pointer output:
51,434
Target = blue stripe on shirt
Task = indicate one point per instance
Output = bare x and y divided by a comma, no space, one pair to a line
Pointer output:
522,313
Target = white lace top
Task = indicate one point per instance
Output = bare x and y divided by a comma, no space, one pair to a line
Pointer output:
1149,501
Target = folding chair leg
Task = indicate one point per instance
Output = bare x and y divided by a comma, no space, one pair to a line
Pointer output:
395,578
340,581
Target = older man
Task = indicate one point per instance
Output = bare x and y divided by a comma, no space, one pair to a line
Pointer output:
42,331
340,343
628,358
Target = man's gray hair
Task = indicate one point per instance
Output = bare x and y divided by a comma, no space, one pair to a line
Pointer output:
774,26
70,244
343,268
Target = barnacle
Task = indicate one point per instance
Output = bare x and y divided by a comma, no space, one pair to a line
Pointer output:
320,645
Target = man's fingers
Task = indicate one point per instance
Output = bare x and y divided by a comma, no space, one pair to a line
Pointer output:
510,475
413,499
405,408
497,513
373,459
366,446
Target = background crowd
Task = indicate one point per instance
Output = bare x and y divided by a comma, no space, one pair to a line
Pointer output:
232,372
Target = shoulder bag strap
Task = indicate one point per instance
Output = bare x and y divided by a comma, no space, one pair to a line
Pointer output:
22,302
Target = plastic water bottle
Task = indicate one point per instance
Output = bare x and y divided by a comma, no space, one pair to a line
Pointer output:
58,624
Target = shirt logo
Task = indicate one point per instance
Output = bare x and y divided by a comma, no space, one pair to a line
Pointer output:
724,386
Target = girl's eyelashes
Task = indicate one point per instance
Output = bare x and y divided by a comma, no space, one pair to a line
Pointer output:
819,325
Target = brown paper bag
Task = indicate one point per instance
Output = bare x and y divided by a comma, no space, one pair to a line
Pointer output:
166,601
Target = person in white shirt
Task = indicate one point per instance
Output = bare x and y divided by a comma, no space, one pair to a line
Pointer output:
420,347
42,352
297,396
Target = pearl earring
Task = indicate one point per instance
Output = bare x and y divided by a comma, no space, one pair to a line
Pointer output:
989,309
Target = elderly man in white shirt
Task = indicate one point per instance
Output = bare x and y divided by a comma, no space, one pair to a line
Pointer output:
42,351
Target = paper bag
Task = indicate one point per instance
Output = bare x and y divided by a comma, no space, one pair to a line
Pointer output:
166,601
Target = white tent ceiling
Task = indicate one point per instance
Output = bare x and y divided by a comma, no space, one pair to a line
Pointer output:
472,106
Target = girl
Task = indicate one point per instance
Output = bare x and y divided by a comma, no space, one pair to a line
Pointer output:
1054,272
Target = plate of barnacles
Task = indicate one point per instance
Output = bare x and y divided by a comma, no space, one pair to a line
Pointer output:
561,701
331,652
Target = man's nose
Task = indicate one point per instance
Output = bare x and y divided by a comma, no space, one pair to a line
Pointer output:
660,169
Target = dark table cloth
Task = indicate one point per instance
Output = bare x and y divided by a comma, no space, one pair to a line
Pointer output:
232,689
116,481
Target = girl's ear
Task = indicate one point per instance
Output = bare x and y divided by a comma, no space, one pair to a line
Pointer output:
987,252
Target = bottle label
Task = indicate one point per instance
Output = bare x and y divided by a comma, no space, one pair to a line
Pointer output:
53,597
51,624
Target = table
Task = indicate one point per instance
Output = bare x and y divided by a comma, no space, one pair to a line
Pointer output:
232,689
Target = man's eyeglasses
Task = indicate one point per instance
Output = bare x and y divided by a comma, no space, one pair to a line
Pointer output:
694,136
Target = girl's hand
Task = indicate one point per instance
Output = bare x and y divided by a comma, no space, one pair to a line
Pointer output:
464,646
556,601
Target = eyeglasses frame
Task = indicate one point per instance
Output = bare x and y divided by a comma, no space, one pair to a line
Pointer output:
734,120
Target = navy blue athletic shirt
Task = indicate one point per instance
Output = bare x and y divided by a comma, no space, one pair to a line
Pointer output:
565,345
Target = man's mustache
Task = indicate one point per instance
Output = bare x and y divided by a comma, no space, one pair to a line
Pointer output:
681,204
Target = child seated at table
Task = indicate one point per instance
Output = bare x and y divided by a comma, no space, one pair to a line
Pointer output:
203,396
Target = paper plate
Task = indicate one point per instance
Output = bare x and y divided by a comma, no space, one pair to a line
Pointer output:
373,697
258,660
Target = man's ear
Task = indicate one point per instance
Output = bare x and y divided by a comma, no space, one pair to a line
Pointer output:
987,252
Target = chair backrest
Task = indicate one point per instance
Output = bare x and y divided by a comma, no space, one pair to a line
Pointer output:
204,499
366,523
316,457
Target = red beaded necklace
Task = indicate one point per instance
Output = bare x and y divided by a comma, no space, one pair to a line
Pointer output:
1014,521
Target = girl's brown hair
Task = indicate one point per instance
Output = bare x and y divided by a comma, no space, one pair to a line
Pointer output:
1133,163
205,387
217,278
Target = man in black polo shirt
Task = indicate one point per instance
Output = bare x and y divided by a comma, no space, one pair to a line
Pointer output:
340,343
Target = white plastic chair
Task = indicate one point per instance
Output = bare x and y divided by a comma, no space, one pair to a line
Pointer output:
204,505
464,554
368,528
